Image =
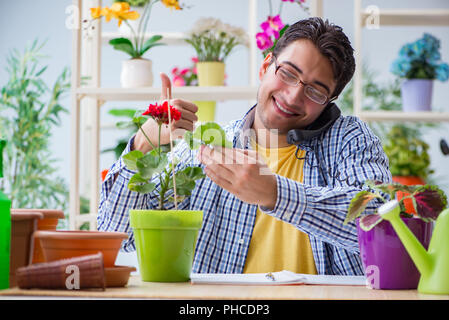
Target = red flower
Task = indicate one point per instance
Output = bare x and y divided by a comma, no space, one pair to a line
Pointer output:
159,112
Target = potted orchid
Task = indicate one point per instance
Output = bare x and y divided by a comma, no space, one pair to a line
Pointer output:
136,72
419,63
385,260
213,41
273,28
166,237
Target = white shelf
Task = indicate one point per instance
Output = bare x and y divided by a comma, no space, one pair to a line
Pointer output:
150,93
419,17
404,116
168,38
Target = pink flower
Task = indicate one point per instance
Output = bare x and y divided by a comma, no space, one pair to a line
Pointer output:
174,71
263,41
178,81
194,59
184,71
272,26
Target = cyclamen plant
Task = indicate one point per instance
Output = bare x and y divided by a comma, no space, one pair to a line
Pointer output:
273,28
428,200
155,162
421,60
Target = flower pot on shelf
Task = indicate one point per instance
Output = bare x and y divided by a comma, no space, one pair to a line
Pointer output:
165,243
206,110
417,95
385,260
136,73
210,73
408,181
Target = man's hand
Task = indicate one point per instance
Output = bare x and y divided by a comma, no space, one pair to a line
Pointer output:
151,128
241,173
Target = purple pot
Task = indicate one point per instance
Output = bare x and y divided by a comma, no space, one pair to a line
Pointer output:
386,262
417,95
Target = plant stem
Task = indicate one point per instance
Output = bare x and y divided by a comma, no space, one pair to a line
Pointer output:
271,8
148,139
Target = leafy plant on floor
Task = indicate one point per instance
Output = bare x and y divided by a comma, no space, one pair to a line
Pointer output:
29,110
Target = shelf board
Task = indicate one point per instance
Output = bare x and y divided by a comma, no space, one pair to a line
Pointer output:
424,116
168,38
187,93
407,17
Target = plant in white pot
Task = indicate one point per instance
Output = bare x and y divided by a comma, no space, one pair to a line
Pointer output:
213,41
137,71
419,63
385,260
165,239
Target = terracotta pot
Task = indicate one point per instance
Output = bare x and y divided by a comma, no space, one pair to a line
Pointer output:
23,225
117,276
49,222
408,181
68,244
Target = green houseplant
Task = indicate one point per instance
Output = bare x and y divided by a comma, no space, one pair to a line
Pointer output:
409,158
29,110
419,63
386,262
165,239
136,72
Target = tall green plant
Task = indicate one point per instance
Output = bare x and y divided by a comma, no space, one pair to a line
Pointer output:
29,109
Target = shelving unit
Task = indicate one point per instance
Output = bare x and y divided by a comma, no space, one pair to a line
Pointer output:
86,126
392,17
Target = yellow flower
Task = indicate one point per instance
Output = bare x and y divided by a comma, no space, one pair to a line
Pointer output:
95,12
120,11
172,4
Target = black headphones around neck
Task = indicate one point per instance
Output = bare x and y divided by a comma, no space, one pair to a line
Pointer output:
329,115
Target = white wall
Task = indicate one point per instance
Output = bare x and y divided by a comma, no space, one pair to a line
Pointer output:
25,20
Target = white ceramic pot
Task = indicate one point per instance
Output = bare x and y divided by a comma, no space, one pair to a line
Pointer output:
136,73
417,95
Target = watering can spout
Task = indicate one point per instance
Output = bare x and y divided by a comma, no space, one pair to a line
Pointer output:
422,259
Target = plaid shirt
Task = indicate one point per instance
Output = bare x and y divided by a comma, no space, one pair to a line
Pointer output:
348,154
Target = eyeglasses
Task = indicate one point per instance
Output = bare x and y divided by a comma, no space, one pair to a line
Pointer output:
289,77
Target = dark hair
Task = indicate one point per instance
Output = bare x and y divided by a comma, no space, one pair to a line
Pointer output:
330,40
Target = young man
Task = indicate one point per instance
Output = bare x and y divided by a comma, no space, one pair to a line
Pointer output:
287,211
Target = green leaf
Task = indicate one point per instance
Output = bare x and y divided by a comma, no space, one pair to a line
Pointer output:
211,133
141,188
129,113
139,120
125,45
151,163
358,204
125,124
130,159
191,142
150,43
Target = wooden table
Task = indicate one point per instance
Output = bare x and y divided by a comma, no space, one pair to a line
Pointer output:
137,289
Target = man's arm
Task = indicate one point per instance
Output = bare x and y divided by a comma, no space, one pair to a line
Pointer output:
320,211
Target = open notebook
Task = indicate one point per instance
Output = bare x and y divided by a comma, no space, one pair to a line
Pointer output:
275,278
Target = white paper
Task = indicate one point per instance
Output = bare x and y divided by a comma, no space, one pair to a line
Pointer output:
280,278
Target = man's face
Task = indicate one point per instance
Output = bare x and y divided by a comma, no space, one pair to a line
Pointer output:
302,59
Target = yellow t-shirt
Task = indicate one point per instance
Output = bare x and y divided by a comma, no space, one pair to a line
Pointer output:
276,245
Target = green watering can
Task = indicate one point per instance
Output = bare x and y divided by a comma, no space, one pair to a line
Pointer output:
432,264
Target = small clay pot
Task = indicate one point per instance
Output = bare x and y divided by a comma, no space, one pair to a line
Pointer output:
58,245
117,276
49,222
23,225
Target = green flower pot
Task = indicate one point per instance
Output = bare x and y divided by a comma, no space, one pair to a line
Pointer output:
165,242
